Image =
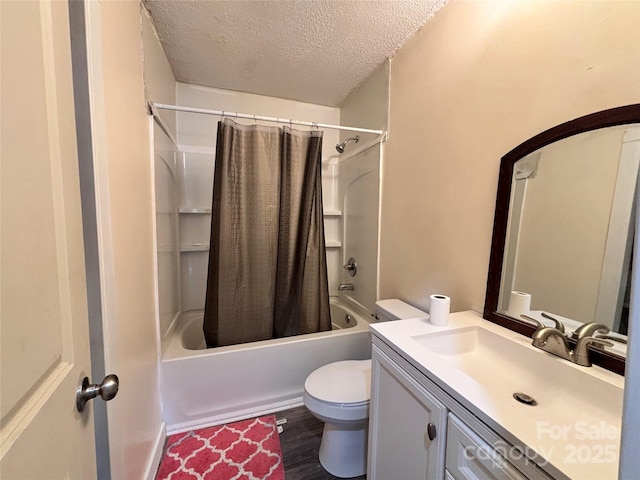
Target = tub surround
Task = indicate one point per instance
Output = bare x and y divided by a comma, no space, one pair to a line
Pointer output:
564,436
205,387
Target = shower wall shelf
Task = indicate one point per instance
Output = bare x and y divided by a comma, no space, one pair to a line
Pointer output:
196,247
196,210
326,213
205,248
332,228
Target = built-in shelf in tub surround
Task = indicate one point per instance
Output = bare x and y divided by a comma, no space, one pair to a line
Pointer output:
195,247
471,369
196,210
326,213
332,228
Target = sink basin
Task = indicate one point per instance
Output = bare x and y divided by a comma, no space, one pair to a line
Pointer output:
505,364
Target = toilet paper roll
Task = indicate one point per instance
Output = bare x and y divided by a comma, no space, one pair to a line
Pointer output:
439,309
519,304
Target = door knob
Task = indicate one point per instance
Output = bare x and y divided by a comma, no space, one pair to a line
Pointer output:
107,390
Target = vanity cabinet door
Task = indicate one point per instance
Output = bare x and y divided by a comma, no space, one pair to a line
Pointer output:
400,417
471,458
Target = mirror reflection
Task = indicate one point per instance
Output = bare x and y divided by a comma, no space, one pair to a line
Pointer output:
569,244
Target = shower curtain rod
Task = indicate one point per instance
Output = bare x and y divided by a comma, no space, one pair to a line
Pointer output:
222,113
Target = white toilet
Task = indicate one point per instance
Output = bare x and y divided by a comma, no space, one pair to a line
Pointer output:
339,394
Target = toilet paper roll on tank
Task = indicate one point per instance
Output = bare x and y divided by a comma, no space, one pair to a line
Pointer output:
439,306
519,304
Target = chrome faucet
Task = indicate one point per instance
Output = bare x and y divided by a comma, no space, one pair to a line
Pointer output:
346,286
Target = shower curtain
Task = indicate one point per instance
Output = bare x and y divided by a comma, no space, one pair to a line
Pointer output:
267,275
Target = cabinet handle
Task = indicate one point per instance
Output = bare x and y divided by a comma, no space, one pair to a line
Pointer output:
431,431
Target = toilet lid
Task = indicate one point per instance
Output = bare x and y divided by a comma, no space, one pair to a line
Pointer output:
341,382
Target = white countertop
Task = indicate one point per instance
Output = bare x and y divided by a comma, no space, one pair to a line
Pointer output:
579,438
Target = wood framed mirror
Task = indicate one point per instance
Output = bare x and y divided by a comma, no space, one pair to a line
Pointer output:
595,300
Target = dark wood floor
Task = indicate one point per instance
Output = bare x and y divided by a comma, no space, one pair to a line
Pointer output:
300,442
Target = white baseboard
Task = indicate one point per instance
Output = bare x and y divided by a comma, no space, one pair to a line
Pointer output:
234,416
154,459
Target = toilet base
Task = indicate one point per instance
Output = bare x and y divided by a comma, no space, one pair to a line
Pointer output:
343,449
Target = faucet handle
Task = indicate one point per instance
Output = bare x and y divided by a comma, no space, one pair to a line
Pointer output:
351,266
588,330
558,324
581,353
537,322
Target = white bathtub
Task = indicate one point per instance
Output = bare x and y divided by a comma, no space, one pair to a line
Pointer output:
203,387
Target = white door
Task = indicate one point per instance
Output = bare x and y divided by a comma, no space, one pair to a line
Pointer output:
43,309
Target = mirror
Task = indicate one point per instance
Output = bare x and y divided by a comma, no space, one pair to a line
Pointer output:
570,230
563,229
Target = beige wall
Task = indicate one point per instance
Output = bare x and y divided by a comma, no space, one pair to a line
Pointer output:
478,80
368,105
159,81
135,428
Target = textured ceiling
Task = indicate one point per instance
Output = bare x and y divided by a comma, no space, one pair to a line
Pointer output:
315,51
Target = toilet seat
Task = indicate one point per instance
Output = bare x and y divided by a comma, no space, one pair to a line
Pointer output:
341,384
338,404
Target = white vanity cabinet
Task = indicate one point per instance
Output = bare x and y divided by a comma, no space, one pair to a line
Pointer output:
404,416
407,408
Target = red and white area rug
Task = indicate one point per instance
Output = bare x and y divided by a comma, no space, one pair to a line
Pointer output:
246,450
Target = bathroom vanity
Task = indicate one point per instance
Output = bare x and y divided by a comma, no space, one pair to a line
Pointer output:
443,406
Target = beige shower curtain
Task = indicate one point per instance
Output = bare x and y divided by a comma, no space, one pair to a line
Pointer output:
267,274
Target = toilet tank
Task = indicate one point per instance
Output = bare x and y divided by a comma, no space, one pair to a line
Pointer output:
394,309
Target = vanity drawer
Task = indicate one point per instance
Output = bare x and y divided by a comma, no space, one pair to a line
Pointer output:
470,457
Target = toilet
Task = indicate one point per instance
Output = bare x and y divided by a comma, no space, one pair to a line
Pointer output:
338,394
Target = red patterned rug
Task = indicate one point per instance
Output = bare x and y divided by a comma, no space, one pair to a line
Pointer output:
246,450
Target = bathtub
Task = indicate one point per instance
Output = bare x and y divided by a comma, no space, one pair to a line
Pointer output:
203,387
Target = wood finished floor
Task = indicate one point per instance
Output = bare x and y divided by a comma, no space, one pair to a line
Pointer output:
300,442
